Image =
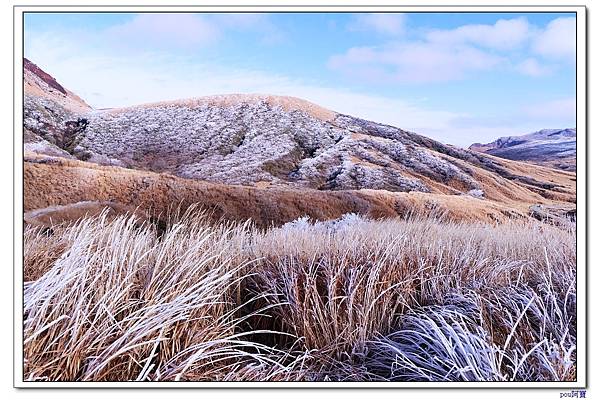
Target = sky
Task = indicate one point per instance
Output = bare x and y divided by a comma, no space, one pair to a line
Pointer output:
459,78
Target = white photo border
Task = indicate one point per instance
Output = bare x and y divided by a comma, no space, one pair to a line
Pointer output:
581,189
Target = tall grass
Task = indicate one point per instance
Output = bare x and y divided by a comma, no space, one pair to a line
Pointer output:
409,300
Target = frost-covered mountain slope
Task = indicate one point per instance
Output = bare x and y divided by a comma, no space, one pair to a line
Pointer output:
52,113
552,147
263,141
39,83
256,140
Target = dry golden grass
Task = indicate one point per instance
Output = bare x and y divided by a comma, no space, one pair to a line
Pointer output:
52,182
515,193
413,299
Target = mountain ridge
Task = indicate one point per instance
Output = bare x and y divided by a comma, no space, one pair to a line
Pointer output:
271,142
39,82
550,147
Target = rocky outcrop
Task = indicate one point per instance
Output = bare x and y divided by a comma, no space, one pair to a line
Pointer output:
553,214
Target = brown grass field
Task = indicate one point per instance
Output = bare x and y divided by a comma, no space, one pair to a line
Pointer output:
411,299
54,189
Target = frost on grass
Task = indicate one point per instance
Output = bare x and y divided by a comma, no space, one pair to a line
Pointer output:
477,193
346,221
350,299
454,341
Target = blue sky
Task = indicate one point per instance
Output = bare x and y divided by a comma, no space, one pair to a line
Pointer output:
457,77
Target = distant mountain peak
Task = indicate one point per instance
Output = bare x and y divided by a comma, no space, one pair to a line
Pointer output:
549,147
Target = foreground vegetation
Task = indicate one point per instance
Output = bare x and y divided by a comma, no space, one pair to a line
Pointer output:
417,299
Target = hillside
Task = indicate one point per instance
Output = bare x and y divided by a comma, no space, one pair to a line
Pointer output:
265,146
550,147
50,113
59,189
39,83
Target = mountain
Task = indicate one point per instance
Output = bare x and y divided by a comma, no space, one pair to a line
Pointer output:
50,112
263,146
551,147
38,82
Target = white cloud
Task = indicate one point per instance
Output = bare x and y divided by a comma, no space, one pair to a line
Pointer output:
547,114
531,67
552,110
187,31
242,20
557,40
503,35
176,30
557,113
452,54
387,24
258,23
413,62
